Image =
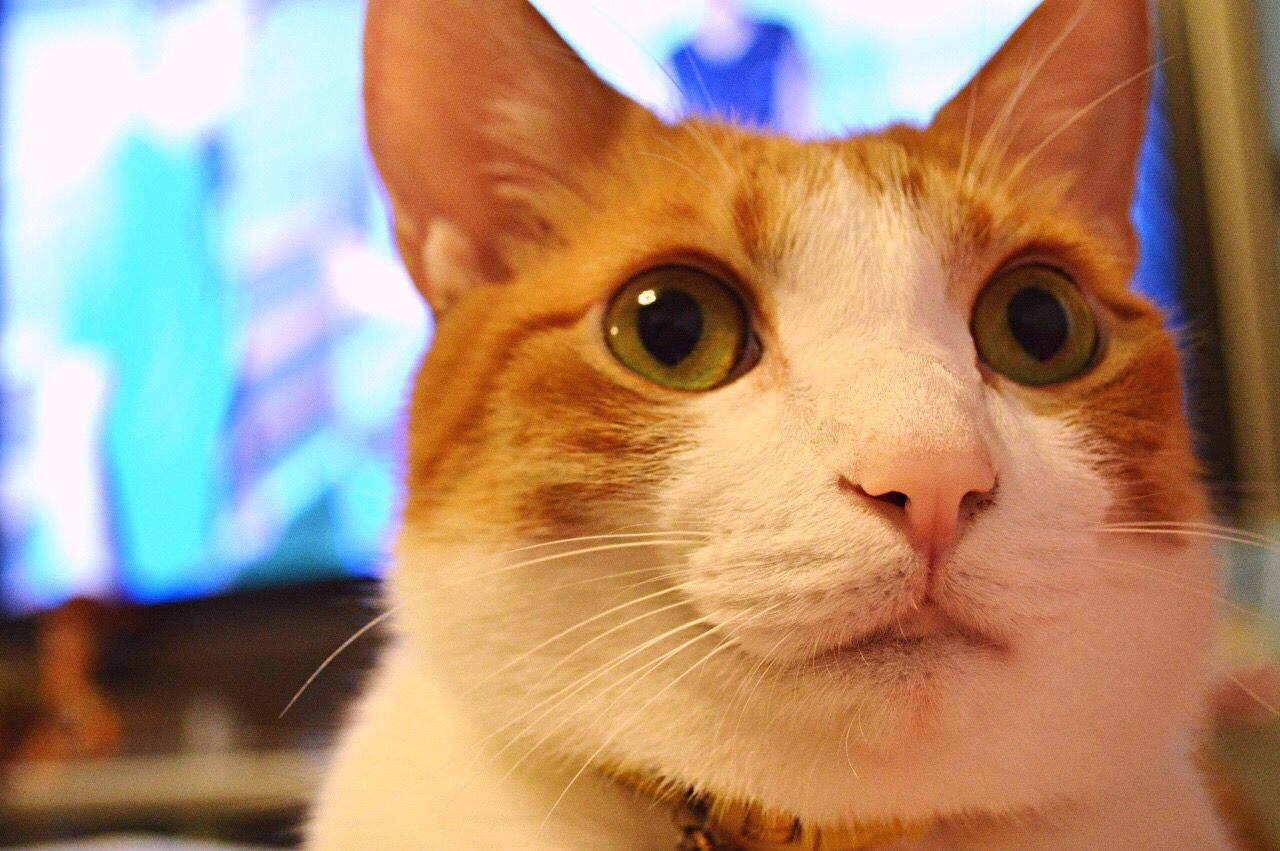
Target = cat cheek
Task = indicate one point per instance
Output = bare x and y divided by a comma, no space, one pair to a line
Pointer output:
1132,411
612,446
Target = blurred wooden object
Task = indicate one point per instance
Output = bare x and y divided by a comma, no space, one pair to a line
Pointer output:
74,718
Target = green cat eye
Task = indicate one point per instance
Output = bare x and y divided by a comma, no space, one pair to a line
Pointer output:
679,327
1033,325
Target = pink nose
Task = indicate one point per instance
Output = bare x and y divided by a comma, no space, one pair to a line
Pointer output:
930,490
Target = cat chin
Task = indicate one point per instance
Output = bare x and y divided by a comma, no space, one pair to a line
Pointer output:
887,691
915,674
909,741
909,672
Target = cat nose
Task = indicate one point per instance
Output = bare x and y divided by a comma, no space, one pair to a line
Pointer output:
929,490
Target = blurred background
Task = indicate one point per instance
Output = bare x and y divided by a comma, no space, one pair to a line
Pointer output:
205,341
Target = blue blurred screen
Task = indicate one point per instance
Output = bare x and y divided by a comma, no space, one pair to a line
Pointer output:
206,337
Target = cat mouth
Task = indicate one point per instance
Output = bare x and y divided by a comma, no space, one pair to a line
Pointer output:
927,630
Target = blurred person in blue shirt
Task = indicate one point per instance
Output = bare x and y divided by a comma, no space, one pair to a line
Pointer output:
746,70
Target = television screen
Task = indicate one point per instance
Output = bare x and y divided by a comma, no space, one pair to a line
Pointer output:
206,338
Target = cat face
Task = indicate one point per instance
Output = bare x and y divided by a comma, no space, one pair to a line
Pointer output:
855,550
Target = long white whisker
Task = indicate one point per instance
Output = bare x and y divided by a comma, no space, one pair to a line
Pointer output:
568,691
758,672
968,130
630,680
564,633
986,146
1022,165
684,167
1175,580
985,151
1261,701
1199,527
1187,533
665,533
354,637
671,542
1251,693
605,577
632,677
473,576
719,648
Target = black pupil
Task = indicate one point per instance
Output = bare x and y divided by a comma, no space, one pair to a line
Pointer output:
1039,323
670,326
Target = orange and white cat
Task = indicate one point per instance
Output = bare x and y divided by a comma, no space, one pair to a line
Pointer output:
812,478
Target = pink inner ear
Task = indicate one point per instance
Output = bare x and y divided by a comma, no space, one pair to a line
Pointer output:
470,105
1063,103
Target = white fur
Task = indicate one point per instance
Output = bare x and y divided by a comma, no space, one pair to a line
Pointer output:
1080,732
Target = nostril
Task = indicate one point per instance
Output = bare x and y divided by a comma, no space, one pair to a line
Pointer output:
930,497
975,501
897,499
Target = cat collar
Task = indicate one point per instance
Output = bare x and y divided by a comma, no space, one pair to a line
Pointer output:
708,824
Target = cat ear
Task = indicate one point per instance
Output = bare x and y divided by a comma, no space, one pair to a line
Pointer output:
473,108
1063,102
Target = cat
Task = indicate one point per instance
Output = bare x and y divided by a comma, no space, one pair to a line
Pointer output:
777,494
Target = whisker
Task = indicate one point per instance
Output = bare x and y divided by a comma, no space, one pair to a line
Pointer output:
664,575
1252,694
652,666
355,636
568,691
759,671
1173,580
672,542
681,166
564,633
846,739
718,649
740,170
737,695
630,680
633,677
352,639
550,703
1174,525
635,42
606,536
1188,533
968,130
984,151
591,580
855,719
1022,165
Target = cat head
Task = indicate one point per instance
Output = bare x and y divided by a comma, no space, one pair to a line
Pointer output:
811,473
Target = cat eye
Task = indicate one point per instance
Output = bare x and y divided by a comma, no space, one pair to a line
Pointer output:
1033,325
680,327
